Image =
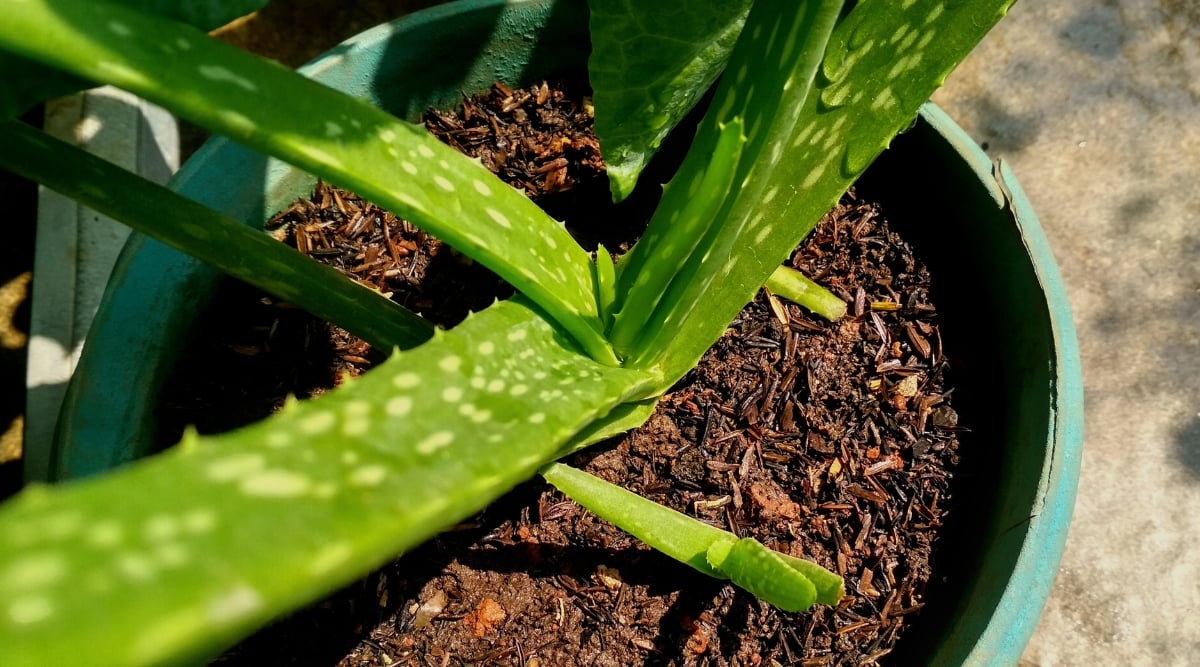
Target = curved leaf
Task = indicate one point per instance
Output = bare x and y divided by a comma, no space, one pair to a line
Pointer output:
346,141
27,83
787,582
243,253
181,554
882,61
651,62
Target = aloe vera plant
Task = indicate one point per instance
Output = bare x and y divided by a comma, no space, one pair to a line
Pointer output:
229,531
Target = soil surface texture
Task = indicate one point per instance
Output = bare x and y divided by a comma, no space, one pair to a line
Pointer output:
829,441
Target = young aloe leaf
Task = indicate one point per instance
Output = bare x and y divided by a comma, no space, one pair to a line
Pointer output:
829,586
784,581
769,74
346,141
183,553
799,289
651,62
606,284
677,535
203,233
882,62
28,83
694,207
762,572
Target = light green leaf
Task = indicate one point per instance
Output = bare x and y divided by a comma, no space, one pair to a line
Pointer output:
27,83
799,289
181,554
762,572
651,62
346,141
883,61
695,199
789,583
234,248
770,74
677,535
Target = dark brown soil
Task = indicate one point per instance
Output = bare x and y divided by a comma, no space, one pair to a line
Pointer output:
834,442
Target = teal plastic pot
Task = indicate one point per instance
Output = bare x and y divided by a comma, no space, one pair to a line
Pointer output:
1006,317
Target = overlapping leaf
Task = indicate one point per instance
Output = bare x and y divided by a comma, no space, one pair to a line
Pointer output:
789,583
883,60
346,141
228,245
781,45
651,62
183,553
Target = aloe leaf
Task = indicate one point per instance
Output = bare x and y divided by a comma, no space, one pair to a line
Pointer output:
677,535
624,417
799,289
346,141
769,74
651,62
695,204
241,252
883,60
829,586
606,284
27,83
787,582
762,572
183,553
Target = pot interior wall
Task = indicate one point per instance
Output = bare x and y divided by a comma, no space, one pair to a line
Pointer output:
1016,374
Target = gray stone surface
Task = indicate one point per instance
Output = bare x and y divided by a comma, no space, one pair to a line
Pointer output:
1097,107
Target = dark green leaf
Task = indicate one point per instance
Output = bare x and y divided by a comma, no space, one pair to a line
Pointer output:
234,248
651,62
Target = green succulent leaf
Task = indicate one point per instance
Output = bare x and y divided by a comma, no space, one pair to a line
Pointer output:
624,417
343,140
183,553
677,535
787,582
241,252
606,284
27,83
651,62
801,290
769,76
763,573
694,206
807,145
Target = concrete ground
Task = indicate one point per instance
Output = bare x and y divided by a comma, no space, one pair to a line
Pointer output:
1097,107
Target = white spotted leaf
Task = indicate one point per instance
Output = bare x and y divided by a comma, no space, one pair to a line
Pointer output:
807,145
28,83
341,139
183,553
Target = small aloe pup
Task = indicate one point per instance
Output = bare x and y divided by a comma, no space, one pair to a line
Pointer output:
173,558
